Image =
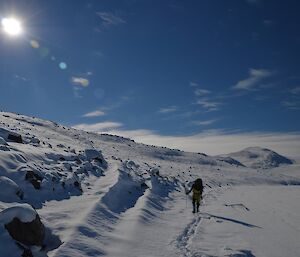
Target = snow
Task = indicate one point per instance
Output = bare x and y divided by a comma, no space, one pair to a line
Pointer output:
104,195
10,191
256,157
23,212
3,141
261,220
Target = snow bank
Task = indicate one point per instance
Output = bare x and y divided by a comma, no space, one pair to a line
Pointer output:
23,212
3,141
10,191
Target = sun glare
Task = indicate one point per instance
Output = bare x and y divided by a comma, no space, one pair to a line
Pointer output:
11,26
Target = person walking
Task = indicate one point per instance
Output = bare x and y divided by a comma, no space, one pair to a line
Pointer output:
197,189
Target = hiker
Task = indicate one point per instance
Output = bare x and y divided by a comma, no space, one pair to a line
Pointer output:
197,189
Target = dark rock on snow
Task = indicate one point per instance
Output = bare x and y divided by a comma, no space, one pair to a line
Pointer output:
28,233
34,179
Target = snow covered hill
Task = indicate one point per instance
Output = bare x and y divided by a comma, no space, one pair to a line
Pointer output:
259,158
104,195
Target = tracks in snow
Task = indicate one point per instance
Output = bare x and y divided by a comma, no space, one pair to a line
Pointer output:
99,225
183,241
184,238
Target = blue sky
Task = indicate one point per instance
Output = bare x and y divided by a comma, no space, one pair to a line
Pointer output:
166,68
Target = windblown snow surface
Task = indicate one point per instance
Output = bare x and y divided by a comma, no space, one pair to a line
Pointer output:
103,195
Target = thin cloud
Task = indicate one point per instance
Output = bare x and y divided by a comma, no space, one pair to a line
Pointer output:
208,104
268,23
168,109
21,78
193,84
292,105
118,103
96,113
79,81
255,76
204,122
201,92
295,90
98,127
110,19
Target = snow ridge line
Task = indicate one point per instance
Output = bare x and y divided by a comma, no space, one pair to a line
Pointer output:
95,195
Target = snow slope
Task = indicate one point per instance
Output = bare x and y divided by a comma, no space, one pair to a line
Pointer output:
105,195
259,158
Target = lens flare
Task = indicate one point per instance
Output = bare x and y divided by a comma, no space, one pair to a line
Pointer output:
80,81
62,65
34,44
11,26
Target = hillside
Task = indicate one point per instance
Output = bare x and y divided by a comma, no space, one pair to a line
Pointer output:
259,158
104,195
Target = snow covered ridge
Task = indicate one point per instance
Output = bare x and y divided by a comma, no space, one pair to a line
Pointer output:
256,157
94,192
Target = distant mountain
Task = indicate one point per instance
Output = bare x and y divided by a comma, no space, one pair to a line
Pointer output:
259,158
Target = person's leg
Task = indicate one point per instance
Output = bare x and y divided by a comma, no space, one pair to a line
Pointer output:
198,204
194,205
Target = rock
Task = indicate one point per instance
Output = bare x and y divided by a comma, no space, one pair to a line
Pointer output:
28,233
17,138
35,141
8,135
34,179
78,185
93,154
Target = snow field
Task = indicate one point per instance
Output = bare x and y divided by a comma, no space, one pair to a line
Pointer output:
105,195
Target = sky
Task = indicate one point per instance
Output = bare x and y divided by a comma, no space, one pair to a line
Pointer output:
209,75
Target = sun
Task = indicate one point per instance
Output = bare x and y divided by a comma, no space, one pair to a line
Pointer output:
11,26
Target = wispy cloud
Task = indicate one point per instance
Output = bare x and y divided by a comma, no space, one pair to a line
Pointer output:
193,84
292,105
255,76
208,104
110,19
268,23
79,81
168,109
204,122
116,103
96,113
98,127
201,92
295,90
21,78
